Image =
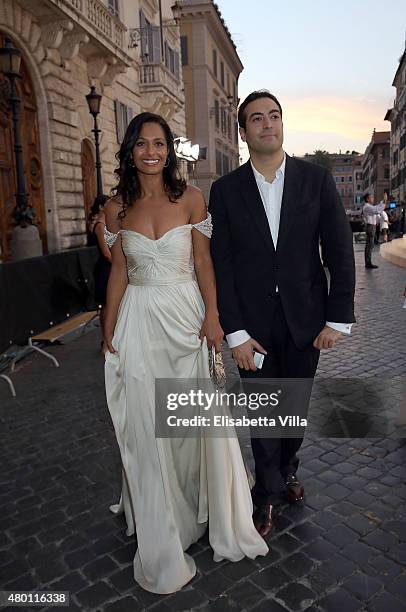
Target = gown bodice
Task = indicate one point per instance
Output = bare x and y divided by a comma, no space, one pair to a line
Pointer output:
165,261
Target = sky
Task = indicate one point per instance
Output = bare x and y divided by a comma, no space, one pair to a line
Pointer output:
330,64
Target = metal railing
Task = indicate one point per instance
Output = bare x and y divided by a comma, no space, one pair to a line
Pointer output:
158,74
98,16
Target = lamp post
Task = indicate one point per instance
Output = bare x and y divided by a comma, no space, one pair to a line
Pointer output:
10,60
25,241
93,101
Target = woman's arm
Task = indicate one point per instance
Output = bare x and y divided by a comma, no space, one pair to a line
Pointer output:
211,328
99,232
118,279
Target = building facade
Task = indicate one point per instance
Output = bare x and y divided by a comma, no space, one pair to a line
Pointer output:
397,117
375,165
130,51
346,170
211,68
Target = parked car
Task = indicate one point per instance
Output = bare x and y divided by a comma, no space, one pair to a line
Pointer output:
356,220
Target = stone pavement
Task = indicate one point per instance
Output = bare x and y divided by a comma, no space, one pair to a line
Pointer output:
60,470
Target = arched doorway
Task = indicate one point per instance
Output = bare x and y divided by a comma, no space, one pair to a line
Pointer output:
31,157
88,176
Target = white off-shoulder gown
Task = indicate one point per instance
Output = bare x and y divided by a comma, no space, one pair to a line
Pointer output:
171,487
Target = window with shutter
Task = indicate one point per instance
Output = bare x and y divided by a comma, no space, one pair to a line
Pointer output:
218,163
225,164
144,35
217,113
156,55
123,118
119,130
123,114
176,57
166,47
223,120
114,8
130,115
184,50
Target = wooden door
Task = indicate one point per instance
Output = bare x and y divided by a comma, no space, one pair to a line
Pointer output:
31,157
88,176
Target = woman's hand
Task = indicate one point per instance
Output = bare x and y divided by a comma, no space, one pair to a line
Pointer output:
212,331
108,341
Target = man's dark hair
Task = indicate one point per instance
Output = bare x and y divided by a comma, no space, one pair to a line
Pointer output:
255,95
366,196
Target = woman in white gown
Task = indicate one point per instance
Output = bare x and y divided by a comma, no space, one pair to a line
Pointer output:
161,316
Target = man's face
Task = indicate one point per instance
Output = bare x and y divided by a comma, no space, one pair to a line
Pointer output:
263,131
371,199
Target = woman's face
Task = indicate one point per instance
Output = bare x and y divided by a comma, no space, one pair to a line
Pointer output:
150,151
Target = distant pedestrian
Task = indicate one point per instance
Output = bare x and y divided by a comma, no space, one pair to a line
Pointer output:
371,213
97,224
385,226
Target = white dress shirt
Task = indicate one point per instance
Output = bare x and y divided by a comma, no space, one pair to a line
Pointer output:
372,213
271,196
384,220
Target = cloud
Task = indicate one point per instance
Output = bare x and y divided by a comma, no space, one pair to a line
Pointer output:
340,122
332,123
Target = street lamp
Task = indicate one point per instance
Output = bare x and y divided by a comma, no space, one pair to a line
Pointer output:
10,60
93,100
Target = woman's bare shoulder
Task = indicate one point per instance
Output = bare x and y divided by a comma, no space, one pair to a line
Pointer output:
193,196
196,204
114,204
112,208
192,191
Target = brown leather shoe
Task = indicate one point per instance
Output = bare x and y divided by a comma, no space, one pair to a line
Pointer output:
294,490
263,520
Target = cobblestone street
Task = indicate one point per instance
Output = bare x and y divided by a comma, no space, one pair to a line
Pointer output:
345,550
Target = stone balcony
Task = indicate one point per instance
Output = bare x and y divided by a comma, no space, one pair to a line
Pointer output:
68,25
162,91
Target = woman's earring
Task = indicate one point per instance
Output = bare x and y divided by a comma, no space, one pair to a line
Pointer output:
167,162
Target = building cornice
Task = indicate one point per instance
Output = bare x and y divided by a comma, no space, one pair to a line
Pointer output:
402,61
208,13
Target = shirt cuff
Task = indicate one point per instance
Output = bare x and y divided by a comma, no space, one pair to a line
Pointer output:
344,328
237,338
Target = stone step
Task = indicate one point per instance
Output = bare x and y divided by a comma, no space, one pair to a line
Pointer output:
395,252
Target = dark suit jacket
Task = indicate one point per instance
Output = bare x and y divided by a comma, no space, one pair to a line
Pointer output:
248,268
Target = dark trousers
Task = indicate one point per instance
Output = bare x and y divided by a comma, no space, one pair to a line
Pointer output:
275,458
369,244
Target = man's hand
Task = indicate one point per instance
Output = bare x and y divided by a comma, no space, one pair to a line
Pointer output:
243,354
327,338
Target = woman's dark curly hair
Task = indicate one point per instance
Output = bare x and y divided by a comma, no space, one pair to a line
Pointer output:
129,187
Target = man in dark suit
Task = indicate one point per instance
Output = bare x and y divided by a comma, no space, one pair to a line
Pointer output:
268,218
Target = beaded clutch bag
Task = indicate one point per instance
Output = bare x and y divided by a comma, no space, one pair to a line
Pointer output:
216,368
